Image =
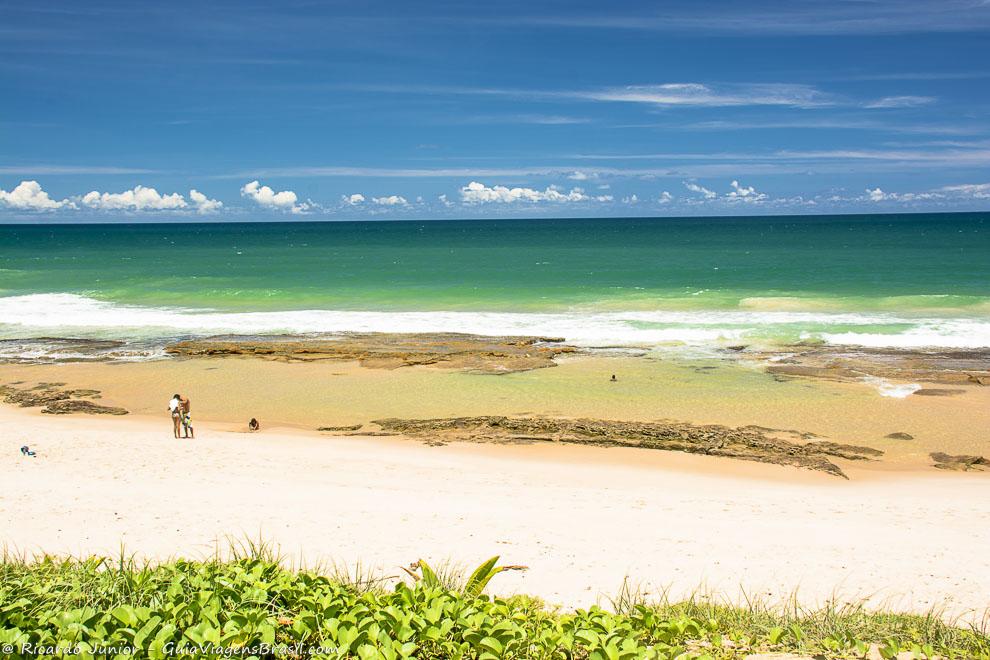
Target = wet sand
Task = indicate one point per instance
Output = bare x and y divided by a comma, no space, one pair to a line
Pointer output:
309,395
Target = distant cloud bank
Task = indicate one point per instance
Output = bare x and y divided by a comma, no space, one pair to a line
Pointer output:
29,196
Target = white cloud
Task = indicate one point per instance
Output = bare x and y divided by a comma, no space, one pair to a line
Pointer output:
581,176
689,166
976,190
285,200
661,94
391,200
828,124
479,193
795,18
139,198
665,198
671,94
878,195
29,196
900,102
203,203
745,194
697,94
948,193
694,187
631,199
446,202
353,200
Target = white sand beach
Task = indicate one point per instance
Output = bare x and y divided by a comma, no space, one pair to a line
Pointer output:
581,518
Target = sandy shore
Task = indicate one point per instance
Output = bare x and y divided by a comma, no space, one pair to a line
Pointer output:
581,518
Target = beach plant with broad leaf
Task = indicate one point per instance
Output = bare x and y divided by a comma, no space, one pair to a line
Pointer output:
449,577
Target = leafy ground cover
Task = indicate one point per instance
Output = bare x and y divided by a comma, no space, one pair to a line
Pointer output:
252,606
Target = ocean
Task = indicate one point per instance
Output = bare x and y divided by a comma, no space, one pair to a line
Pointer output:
874,280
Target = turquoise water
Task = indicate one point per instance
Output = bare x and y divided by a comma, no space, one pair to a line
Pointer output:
891,280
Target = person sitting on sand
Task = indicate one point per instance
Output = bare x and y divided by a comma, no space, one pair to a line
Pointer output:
253,425
175,410
187,426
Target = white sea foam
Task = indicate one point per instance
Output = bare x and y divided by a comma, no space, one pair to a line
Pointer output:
62,315
892,390
961,333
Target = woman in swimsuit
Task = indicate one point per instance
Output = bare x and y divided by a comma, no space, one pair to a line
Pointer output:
175,410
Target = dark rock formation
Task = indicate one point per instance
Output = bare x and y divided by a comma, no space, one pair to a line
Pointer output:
899,435
55,399
848,452
937,391
69,406
487,355
370,434
747,443
355,427
962,462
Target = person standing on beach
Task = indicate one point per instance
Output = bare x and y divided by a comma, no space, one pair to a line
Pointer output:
175,410
187,427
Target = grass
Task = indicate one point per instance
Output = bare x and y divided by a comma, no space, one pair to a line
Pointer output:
836,629
249,605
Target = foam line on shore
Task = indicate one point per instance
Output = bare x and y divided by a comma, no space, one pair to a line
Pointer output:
71,315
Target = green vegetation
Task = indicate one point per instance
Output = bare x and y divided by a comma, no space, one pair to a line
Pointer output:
251,606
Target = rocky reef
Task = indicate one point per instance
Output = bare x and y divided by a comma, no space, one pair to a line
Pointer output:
849,363
749,443
56,399
56,350
473,353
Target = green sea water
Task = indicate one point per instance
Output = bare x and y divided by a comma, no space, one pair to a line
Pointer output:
613,281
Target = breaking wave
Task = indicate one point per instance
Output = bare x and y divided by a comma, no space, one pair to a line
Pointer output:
62,315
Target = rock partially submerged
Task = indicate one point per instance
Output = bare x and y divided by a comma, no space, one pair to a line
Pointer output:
746,443
69,406
938,391
474,353
851,363
56,399
899,435
51,350
961,462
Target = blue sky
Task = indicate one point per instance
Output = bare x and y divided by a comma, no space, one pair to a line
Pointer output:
389,110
